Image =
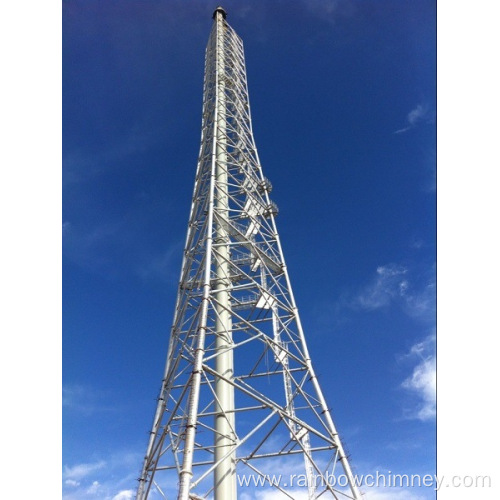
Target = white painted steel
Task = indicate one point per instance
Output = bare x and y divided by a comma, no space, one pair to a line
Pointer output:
239,393
225,436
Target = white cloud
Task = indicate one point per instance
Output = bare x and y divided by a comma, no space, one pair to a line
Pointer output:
422,381
329,11
389,283
274,494
393,284
112,478
94,488
421,303
417,114
124,495
368,494
80,471
84,399
401,130
420,113
162,264
386,494
322,8
71,394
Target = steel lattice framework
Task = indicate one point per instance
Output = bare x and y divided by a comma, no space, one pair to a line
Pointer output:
240,396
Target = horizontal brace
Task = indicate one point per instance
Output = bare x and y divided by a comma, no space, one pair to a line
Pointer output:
264,455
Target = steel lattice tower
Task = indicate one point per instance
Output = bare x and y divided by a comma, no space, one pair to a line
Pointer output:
239,396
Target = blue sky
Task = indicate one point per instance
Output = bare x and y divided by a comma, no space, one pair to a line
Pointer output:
343,99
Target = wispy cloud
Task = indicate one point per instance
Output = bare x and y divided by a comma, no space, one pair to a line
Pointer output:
372,493
118,246
329,11
422,382
417,114
111,479
389,283
421,113
82,165
388,494
85,400
411,289
322,8
273,494
394,284
162,265
90,247
94,488
78,472
124,495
